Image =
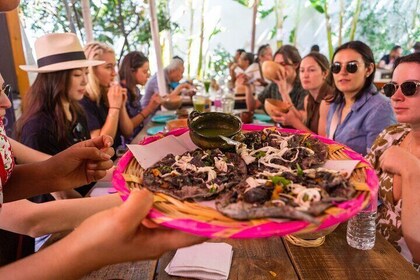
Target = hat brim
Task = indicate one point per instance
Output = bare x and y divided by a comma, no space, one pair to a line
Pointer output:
74,64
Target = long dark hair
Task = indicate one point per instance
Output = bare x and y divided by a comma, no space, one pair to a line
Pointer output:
45,97
131,62
290,53
368,59
323,62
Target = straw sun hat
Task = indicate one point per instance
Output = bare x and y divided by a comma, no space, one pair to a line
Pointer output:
57,52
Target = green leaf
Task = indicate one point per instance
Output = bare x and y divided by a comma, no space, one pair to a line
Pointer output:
299,170
280,180
265,13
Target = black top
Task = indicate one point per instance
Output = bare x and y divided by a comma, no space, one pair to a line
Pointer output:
39,133
297,95
96,117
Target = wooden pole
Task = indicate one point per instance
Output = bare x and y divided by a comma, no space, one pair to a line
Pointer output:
87,21
254,25
13,25
156,42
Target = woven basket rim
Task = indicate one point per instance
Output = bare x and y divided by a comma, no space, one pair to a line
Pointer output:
165,213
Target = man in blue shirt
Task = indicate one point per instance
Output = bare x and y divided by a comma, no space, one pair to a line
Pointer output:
173,74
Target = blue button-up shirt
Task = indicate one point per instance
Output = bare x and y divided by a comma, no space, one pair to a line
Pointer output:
369,115
152,88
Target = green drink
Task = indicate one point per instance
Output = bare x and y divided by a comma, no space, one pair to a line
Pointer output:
199,103
199,107
207,85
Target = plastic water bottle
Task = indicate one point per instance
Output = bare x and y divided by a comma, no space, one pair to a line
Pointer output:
218,101
361,229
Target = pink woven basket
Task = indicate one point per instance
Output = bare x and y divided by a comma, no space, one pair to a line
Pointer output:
197,219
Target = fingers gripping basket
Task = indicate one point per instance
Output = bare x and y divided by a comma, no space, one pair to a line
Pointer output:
203,220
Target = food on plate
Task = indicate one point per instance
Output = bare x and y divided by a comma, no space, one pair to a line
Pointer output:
200,174
271,150
178,123
270,174
292,194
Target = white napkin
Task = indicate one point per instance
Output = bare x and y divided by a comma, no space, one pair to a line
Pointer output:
207,261
149,154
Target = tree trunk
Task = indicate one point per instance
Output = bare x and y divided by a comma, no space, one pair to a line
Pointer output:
355,19
69,16
254,26
328,26
169,36
340,25
278,8
190,39
87,21
124,33
200,52
296,23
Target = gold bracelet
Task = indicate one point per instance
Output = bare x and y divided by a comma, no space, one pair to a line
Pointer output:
115,108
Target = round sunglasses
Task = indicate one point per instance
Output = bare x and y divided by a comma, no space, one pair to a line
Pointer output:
351,67
408,88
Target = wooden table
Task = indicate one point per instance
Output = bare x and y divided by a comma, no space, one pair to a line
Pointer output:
275,258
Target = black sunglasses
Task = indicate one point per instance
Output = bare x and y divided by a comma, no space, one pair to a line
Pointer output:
351,67
408,88
6,89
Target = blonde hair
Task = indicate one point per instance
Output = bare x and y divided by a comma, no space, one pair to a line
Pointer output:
95,50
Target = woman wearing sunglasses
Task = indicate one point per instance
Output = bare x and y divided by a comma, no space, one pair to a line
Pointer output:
395,156
358,112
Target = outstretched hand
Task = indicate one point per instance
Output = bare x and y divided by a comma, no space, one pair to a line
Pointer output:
123,234
83,162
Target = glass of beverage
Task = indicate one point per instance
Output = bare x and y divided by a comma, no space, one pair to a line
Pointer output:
207,85
228,103
199,103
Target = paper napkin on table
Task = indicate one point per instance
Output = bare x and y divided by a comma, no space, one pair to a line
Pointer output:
207,261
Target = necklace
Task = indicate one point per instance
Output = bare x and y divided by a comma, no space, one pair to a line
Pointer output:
410,144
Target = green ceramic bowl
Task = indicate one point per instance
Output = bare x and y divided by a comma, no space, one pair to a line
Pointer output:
205,129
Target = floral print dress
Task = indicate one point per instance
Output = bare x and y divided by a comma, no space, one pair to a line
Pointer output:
389,213
7,162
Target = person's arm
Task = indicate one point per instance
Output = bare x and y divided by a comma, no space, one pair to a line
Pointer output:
78,165
115,99
322,123
25,154
154,103
251,102
397,160
179,88
37,219
116,235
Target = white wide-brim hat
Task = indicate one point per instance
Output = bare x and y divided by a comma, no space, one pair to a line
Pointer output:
57,52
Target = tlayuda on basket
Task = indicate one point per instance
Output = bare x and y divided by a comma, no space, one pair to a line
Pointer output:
248,181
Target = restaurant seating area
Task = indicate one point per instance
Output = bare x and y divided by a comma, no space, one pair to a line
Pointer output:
161,155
